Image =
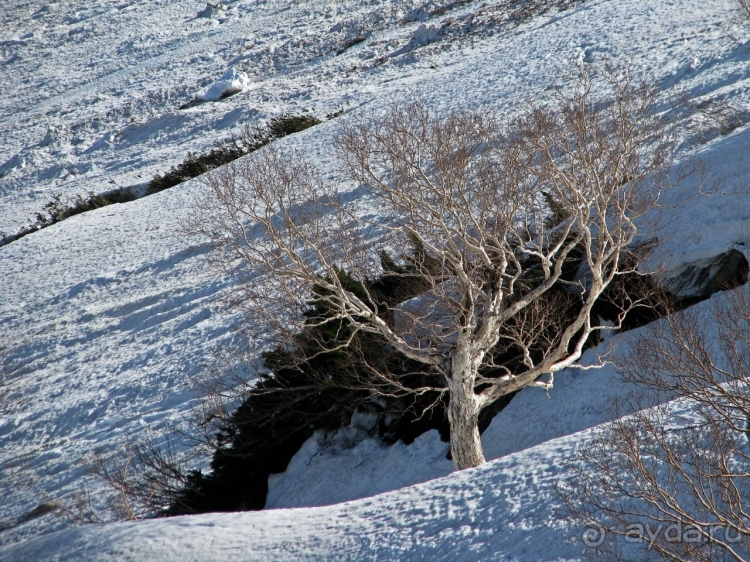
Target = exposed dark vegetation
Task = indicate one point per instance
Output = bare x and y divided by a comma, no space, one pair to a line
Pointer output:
38,511
61,208
335,113
308,387
195,165
332,369
469,187
558,212
349,43
252,138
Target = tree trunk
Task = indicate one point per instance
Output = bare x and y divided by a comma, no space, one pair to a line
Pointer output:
463,411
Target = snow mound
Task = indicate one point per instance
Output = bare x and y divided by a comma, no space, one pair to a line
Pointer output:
232,82
424,35
212,9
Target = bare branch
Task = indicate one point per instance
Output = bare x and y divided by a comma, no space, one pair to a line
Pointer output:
682,464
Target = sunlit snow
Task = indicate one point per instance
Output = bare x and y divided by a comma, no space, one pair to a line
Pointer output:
109,317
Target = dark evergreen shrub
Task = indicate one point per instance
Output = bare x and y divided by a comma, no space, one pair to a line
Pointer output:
120,195
307,389
59,208
289,124
195,165
252,139
557,211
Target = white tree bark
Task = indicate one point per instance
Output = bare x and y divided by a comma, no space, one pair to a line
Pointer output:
463,411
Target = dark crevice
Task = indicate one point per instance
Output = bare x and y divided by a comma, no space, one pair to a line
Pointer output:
269,428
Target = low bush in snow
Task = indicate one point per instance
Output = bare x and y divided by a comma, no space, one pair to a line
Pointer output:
289,124
672,480
252,139
195,165
60,208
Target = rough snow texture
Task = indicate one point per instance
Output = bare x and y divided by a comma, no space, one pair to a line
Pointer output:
501,511
108,316
507,509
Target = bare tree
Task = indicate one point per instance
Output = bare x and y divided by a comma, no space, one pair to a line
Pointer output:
147,479
469,190
675,477
715,115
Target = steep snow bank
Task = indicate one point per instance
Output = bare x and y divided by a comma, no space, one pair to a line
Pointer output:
501,511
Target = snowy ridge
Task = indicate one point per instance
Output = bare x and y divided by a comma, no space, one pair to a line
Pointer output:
108,315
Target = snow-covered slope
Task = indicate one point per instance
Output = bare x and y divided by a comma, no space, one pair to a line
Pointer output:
92,92
108,316
506,510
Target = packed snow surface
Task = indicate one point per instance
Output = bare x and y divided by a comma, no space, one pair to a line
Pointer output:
107,319
507,509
